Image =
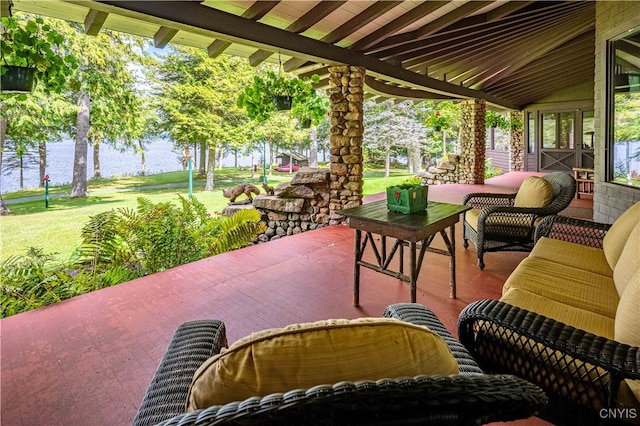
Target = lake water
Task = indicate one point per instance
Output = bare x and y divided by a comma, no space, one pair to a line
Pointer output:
160,157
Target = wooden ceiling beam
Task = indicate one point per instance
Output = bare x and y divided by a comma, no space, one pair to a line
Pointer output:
163,36
306,21
494,55
543,45
383,89
397,24
444,21
94,21
407,44
481,50
204,20
547,88
255,12
569,53
563,76
374,11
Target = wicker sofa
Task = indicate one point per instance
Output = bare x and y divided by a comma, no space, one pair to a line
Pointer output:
569,320
471,397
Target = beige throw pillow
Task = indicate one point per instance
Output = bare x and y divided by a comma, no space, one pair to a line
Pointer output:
534,192
325,352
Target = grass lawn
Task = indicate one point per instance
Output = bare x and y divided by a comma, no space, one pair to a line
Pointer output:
57,229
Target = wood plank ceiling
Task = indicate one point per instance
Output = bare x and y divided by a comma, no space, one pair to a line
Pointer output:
511,53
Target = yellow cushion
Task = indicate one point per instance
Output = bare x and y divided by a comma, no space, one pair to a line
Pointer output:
629,261
572,286
503,223
325,352
616,237
534,192
599,325
627,325
574,255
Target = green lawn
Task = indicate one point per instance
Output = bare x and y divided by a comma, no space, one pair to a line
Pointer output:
57,229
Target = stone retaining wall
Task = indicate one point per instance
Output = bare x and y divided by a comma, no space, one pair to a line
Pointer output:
445,171
297,206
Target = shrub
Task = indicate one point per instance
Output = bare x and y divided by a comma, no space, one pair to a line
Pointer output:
489,170
121,245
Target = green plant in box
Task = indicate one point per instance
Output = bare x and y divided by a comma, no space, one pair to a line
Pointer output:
407,198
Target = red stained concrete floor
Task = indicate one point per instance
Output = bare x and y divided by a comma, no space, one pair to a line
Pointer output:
88,360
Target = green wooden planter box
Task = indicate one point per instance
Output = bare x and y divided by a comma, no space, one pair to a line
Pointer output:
407,198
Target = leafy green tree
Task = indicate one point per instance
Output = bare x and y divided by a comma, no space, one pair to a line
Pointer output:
31,119
280,132
444,138
103,89
198,101
394,126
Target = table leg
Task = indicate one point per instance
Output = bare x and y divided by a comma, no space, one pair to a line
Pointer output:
413,269
356,268
452,261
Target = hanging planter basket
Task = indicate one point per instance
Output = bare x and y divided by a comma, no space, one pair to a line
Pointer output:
18,80
282,103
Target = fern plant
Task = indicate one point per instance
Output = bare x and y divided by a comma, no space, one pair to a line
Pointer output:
33,280
121,245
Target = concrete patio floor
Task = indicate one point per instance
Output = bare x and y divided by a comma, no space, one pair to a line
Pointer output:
88,360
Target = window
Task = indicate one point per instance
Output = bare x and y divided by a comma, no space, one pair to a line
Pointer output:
624,111
588,128
531,129
558,130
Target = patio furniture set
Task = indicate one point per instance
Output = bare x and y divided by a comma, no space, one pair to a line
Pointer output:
562,343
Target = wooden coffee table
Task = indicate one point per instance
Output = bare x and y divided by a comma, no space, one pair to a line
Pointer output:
408,230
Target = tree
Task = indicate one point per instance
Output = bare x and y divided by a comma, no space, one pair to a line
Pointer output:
35,43
446,136
198,101
104,90
389,126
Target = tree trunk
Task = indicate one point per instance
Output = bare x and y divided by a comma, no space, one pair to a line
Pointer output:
444,144
96,158
415,160
42,154
202,169
220,155
4,210
313,148
387,160
235,157
21,168
79,183
211,165
143,160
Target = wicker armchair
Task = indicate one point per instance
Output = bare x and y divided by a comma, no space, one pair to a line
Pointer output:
580,372
501,226
469,398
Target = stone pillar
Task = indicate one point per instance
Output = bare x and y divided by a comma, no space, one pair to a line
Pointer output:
346,96
516,144
472,141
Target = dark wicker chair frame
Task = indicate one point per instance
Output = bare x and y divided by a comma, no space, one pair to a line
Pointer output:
579,371
501,226
469,398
